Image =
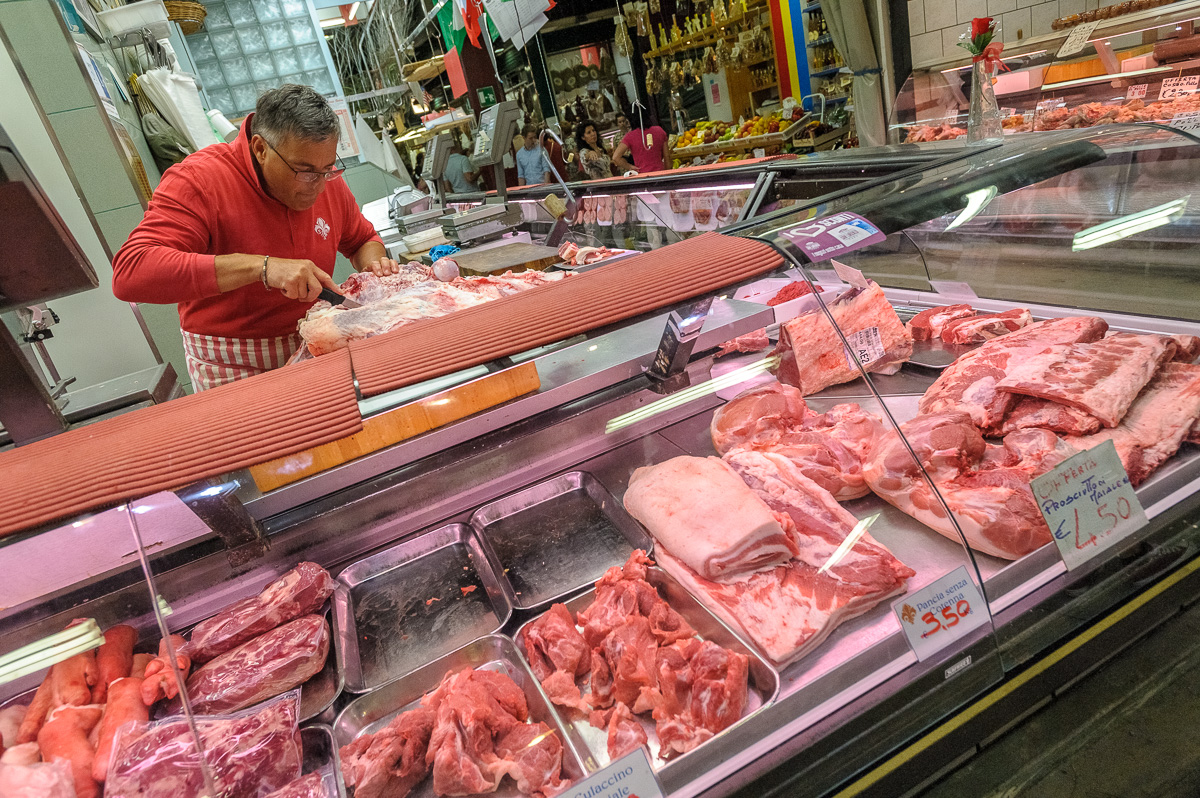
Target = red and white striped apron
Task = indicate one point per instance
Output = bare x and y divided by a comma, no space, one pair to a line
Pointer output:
214,360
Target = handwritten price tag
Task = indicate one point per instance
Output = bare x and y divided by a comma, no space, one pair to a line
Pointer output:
1089,504
1188,121
1179,87
941,612
1077,40
1136,91
629,776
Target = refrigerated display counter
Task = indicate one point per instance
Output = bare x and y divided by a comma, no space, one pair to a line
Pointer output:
1133,63
891,564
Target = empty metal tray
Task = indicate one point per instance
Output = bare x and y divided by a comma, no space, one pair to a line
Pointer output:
369,713
764,688
321,754
556,537
414,602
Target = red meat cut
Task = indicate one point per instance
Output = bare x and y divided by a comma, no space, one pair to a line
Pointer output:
266,666
1101,378
557,653
928,324
625,734
531,754
970,384
703,692
301,591
1033,413
984,327
391,762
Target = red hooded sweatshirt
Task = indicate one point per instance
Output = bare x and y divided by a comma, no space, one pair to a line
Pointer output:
214,204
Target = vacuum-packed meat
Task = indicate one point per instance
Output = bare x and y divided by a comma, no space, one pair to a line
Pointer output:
300,591
706,515
266,666
250,755
314,785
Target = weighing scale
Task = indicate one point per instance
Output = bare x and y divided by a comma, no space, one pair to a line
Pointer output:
497,127
437,152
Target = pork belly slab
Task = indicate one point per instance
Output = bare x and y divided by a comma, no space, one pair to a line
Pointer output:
700,509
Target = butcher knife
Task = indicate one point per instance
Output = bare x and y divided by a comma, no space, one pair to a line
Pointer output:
334,298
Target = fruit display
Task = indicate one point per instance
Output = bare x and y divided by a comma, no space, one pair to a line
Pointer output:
758,131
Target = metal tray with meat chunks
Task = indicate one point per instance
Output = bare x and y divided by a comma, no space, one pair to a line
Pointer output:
416,601
553,538
321,755
369,713
680,769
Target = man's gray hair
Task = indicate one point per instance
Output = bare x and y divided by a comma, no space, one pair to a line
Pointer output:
294,110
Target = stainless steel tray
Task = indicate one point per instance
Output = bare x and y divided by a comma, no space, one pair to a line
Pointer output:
321,754
318,694
369,713
764,686
405,606
554,538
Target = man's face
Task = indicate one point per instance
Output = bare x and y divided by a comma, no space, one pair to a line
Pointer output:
530,140
281,164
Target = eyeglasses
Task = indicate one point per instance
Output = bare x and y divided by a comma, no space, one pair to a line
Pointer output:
307,175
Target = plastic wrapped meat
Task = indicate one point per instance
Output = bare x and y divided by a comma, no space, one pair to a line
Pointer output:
300,591
250,754
265,666
41,780
314,785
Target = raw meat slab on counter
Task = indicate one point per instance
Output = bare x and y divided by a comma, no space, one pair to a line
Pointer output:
827,447
985,485
929,323
984,327
789,608
704,511
1157,422
392,301
637,655
971,384
1033,413
468,733
813,356
1101,378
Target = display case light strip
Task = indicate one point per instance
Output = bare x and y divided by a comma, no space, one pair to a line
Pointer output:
1132,224
1011,58
734,187
50,650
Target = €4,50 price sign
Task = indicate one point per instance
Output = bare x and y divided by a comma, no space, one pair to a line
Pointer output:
1089,503
943,611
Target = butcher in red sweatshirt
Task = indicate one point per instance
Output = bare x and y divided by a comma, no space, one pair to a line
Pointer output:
244,236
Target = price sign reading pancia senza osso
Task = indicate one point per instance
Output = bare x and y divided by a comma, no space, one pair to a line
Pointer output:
822,239
631,776
1089,503
940,613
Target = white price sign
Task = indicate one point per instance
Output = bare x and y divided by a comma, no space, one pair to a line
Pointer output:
953,288
1136,91
941,612
1077,40
1189,121
629,776
1089,503
1173,88
828,276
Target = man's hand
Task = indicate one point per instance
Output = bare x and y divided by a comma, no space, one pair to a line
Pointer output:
383,267
298,279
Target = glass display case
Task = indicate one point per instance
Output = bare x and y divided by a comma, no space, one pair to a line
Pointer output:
857,542
1139,65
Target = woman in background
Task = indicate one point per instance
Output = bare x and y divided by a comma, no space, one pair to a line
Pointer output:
647,146
594,159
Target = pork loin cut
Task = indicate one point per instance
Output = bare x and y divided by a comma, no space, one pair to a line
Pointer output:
928,324
985,327
1101,378
985,486
750,342
700,509
1033,413
788,610
1163,415
969,385
813,356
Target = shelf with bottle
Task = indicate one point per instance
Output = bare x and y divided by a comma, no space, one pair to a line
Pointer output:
822,73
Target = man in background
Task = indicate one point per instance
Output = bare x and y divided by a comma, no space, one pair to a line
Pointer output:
459,176
532,166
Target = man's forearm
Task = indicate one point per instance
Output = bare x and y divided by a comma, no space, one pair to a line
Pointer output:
234,271
367,254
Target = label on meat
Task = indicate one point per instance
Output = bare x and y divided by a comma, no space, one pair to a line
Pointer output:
940,613
629,776
1089,503
866,345
834,235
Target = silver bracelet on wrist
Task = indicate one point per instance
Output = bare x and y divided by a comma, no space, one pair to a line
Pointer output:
264,272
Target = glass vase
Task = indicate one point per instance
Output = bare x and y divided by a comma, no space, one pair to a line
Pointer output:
983,120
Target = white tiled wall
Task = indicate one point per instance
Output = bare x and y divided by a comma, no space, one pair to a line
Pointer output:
935,25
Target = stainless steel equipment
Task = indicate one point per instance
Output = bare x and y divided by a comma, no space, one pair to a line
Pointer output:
497,127
481,223
422,220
